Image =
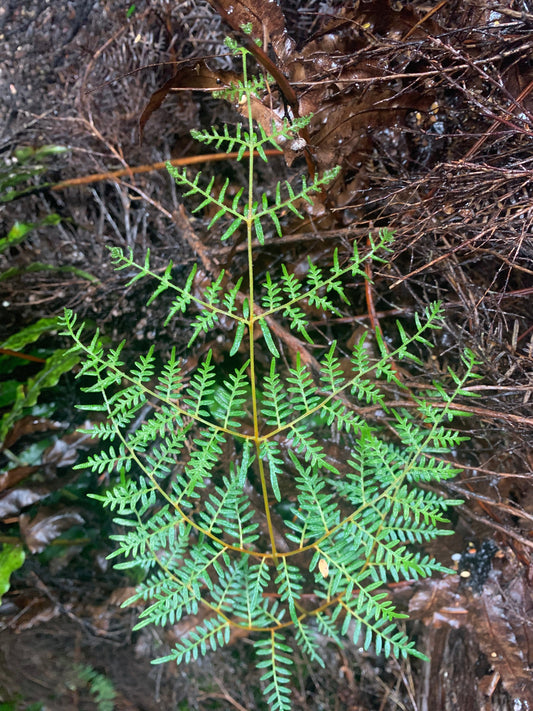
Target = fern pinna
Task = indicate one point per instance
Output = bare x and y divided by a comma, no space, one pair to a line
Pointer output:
282,541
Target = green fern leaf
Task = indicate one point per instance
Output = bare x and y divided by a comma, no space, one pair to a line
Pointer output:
225,493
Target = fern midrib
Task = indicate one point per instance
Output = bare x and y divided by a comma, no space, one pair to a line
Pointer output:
251,320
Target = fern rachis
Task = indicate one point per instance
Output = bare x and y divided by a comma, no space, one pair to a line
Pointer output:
281,541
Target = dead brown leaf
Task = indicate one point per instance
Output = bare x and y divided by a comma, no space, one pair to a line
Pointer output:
64,451
505,638
33,609
267,21
47,525
13,476
27,426
13,501
499,622
197,76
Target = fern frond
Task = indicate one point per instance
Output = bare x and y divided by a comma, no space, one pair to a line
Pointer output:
184,298
123,405
230,397
304,392
201,462
206,194
170,379
318,510
123,496
100,430
230,297
274,654
303,442
148,537
170,601
306,638
326,623
229,499
226,511
273,298
374,614
335,412
257,582
108,461
225,141
267,335
159,458
289,582
209,635
200,389
331,373
202,556
275,405
227,592
271,453
316,283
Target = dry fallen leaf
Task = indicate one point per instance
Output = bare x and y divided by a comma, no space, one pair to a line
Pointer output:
13,501
498,623
14,476
26,426
47,525
190,76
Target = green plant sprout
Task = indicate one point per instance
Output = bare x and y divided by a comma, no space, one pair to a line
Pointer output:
100,687
227,498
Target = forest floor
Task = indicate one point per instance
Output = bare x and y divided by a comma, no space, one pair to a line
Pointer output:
430,116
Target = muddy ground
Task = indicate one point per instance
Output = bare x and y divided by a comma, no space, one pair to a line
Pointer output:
430,110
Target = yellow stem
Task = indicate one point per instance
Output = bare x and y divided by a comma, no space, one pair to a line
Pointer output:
251,319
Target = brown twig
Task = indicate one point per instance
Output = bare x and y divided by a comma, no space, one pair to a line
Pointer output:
477,145
24,356
188,160
498,527
423,19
